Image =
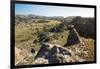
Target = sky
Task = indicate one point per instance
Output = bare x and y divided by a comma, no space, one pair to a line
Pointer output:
44,10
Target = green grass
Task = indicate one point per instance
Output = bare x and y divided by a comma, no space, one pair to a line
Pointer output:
26,34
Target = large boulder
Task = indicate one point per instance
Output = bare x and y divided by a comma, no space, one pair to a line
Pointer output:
73,38
53,53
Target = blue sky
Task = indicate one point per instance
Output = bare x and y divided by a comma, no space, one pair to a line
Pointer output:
26,9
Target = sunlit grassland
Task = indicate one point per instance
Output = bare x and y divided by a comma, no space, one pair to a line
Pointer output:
26,33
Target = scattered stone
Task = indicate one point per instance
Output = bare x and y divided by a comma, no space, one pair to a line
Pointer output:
41,61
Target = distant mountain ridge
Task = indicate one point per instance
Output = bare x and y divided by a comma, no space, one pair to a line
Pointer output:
39,16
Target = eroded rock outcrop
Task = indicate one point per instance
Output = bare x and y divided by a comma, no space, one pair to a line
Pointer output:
53,53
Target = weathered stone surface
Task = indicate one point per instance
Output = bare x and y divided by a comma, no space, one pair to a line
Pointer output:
41,61
73,38
52,53
20,55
